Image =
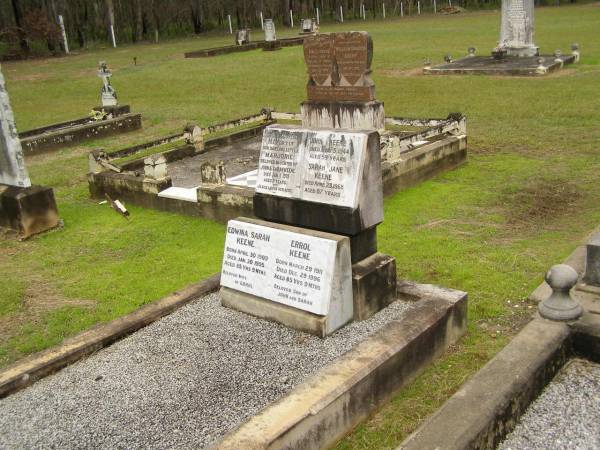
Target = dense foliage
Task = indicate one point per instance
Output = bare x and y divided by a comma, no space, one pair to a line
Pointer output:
30,27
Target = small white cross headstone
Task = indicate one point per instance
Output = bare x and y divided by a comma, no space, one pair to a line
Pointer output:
107,94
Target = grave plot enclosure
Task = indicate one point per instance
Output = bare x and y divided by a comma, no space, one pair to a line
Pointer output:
108,119
516,53
412,150
219,180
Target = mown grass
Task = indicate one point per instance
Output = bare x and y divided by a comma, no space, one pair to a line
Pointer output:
526,198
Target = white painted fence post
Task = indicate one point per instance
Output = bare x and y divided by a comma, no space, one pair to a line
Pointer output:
61,22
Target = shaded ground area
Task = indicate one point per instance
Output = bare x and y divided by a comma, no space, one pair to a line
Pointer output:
239,157
181,382
565,415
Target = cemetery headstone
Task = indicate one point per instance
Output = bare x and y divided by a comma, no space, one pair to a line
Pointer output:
108,95
242,36
340,91
308,26
516,34
270,34
24,208
311,260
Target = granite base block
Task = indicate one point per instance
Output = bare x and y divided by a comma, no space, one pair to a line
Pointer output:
373,288
373,284
318,216
592,263
363,245
28,211
286,315
345,115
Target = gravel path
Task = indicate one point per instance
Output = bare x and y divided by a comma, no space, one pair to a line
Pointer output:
181,382
565,416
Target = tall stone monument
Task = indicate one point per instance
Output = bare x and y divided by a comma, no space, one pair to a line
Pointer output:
311,262
516,33
24,208
340,91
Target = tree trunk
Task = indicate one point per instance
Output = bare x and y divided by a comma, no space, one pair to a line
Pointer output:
139,20
16,7
196,16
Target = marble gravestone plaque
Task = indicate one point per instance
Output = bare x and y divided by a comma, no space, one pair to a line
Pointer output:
12,163
270,35
516,34
322,166
304,270
339,67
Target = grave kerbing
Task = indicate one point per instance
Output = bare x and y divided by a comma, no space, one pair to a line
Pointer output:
24,208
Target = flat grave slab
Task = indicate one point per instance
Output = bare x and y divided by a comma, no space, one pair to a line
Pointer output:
510,65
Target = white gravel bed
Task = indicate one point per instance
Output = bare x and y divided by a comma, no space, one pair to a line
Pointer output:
182,382
565,416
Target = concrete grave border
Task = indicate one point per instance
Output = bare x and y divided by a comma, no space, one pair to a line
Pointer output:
216,51
330,403
446,149
39,365
488,406
57,136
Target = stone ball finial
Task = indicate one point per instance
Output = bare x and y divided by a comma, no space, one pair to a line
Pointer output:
557,52
574,46
560,305
448,58
472,51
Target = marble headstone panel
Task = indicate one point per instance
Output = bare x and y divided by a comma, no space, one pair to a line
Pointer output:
304,269
322,166
12,162
242,36
516,34
339,67
270,34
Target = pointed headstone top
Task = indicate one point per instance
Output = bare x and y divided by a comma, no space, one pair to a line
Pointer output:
339,67
12,162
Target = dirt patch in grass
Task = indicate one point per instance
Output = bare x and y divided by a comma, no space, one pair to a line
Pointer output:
395,73
541,201
39,298
30,77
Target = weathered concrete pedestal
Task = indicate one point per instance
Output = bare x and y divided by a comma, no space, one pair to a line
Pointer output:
343,114
28,210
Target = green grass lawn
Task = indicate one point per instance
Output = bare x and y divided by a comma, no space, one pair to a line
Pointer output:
527,197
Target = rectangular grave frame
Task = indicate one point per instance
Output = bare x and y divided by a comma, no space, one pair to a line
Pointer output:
409,165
